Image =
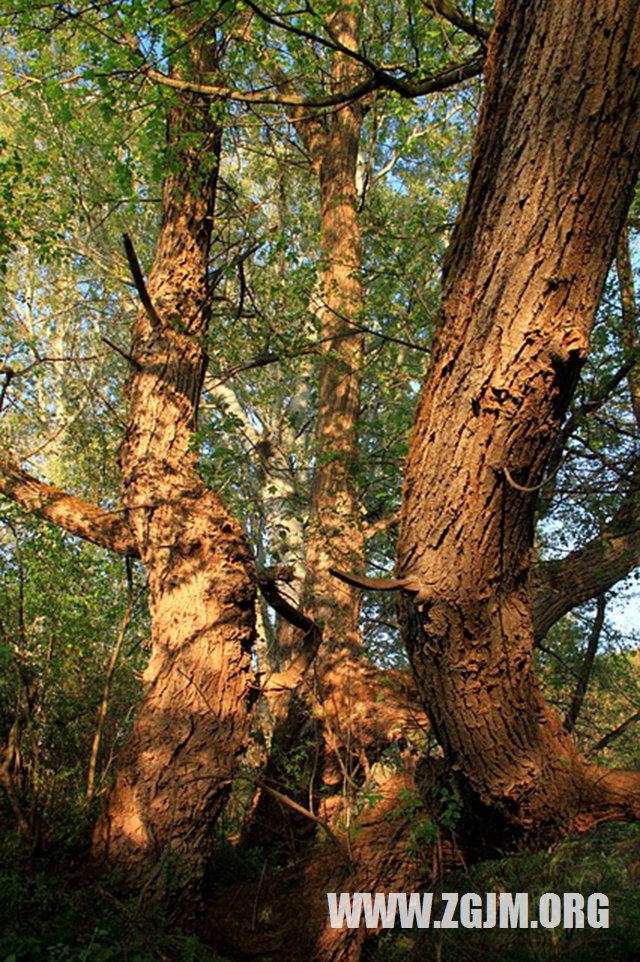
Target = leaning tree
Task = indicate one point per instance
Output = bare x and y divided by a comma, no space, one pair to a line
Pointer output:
555,162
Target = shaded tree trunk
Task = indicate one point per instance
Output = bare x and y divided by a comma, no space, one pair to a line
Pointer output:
582,682
554,166
375,859
175,770
629,308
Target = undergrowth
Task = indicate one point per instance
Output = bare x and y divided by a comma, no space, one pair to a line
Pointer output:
606,860
51,912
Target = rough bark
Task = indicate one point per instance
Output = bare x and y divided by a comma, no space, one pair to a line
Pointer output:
98,525
554,165
175,770
335,524
311,707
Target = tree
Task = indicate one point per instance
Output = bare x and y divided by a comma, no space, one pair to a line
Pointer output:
344,686
199,680
553,170
555,163
201,576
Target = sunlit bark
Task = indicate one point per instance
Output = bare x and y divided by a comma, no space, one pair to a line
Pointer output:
175,770
554,166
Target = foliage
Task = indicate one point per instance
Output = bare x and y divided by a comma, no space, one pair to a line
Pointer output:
81,160
605,860
50,911
444,814
61,607
613,688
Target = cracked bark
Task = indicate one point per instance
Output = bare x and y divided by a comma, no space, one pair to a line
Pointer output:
554,165
174,772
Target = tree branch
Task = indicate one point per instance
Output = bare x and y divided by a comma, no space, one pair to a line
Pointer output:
114,347
560,585
291,803
104,528
330,44
138,280
289,679
379,80
612,735
455,16
267,583
308,124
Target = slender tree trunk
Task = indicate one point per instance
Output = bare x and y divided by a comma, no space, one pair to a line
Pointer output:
106,693
175,770
335,527
582,683
629,319
336,534
282,514
554,166
319,710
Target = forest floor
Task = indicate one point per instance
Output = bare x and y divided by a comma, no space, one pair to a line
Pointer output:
50,909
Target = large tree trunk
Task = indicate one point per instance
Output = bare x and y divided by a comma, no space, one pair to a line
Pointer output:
175,770
554,166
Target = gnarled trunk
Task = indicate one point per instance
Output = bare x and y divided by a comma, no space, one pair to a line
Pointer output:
554,166
175,770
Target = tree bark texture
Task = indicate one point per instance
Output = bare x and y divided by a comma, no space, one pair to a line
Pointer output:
81,518
554,166
175,770
335,523
334,532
